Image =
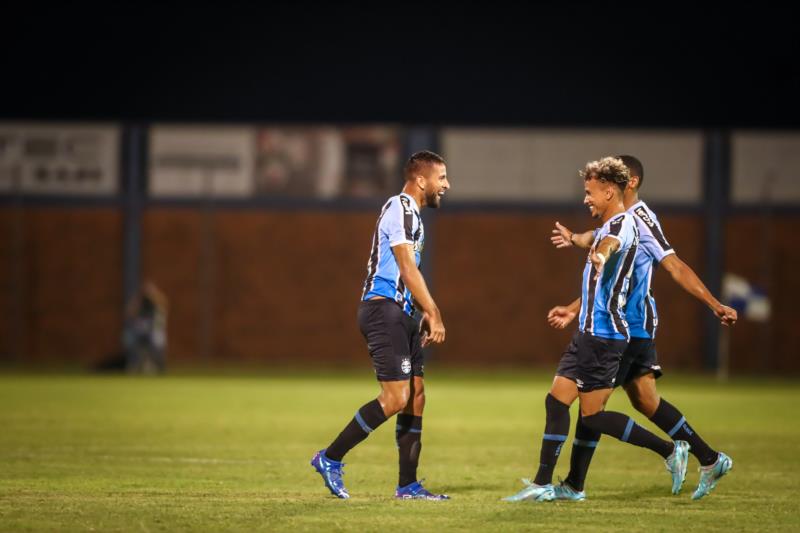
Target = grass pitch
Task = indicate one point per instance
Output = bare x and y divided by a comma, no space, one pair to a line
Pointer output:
184,453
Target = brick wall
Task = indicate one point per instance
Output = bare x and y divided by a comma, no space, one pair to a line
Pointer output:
61,271
498,275
266,286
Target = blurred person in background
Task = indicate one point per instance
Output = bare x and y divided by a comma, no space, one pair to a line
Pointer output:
145,333
639,367
393,290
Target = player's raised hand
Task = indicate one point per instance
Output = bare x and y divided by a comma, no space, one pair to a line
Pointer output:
562,237
727,315
431,329
560,316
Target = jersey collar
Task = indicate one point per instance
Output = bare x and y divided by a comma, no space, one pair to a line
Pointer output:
632,208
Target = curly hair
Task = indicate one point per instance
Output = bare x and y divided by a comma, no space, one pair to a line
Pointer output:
607,170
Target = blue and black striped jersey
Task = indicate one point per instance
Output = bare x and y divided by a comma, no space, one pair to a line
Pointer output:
398,223
603,299
653,248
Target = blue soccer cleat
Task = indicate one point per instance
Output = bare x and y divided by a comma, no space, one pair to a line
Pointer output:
677,463
415,491
709,475
533,492
563,491
331,472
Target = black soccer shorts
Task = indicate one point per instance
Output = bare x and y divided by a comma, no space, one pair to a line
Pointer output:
393,340
591,362
638,359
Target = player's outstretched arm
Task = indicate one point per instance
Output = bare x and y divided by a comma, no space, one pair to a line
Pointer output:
560,316
564,238
600,254
691,283
431,325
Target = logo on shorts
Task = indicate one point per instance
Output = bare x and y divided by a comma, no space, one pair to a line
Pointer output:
405,365
579,383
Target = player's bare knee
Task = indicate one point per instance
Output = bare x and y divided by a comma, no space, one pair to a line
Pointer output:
394,401
392,405
402,399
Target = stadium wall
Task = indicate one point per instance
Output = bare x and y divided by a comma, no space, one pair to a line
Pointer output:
61,272
282,286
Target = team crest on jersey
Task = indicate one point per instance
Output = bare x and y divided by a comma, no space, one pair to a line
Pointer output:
405,365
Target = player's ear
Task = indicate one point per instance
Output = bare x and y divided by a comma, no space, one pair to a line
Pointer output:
420,179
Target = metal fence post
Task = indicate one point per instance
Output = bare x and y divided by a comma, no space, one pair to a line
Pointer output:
716,171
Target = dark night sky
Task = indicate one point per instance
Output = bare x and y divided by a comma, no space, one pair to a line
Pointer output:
670,65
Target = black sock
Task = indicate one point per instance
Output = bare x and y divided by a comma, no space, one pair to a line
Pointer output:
409,444
625,429
674,424
367,419
556,429
583,446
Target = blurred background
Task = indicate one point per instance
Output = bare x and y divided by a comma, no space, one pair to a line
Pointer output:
209,178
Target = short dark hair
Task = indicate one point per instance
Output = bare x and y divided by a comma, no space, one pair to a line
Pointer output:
607,170
634,165
420,159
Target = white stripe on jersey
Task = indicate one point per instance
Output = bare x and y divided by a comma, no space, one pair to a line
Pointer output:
375,251
610,296
647,301
652,304
597,287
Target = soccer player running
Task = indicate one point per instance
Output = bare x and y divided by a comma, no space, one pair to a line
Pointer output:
392,290
589,365
639,368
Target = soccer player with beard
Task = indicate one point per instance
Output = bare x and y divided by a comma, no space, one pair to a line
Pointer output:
393,290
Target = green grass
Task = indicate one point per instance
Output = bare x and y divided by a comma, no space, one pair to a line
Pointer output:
211,453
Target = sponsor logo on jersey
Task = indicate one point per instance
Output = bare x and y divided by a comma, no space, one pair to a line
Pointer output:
645,217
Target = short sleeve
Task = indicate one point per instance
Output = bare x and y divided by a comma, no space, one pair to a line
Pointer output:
620,228
651,236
